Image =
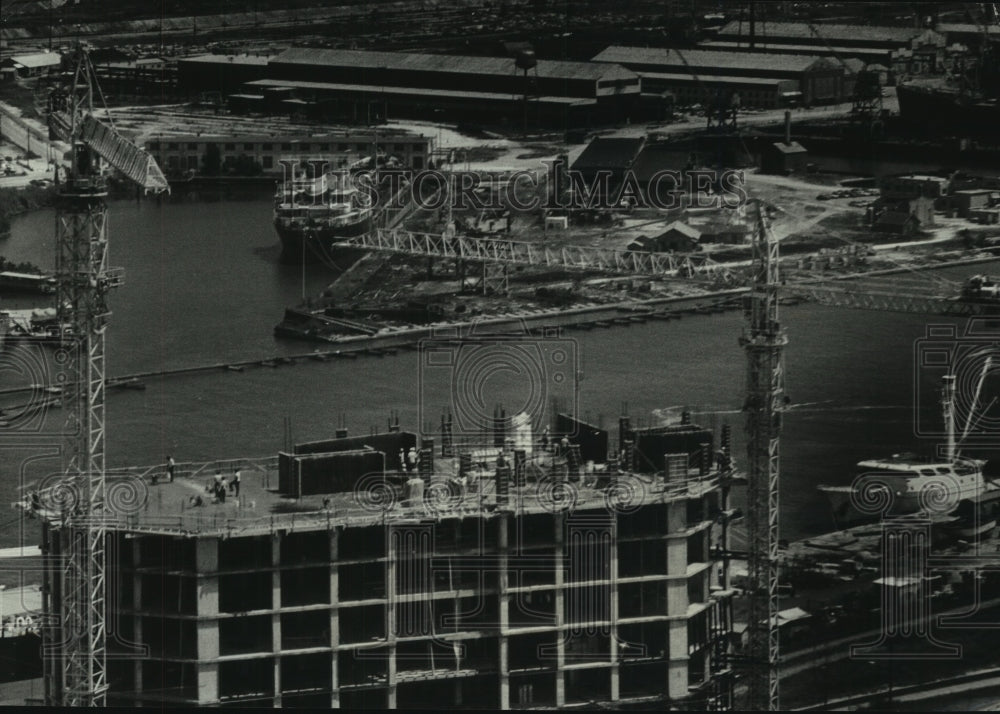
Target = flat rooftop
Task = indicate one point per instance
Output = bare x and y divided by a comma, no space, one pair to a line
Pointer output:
164,508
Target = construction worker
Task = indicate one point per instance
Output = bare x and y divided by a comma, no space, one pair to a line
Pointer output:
170,468
411,459
234,484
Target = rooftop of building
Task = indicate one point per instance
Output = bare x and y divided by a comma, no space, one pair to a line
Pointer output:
718,59
505,66
792,148
779,47
609,153
382,90
702,78
254,60
37,59
824,32
137,504
381,135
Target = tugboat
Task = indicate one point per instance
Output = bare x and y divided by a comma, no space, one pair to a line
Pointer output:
953,486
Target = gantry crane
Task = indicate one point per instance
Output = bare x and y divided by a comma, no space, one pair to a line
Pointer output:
74,638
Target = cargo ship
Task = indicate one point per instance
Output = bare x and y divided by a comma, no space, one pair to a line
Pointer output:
963,102
951,488
311,215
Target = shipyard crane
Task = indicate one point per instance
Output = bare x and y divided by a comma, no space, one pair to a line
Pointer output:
75,641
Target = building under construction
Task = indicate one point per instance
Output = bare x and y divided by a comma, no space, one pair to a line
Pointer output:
383,571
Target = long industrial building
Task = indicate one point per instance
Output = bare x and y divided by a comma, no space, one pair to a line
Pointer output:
905,50
189,152
497,577
762,79
364,85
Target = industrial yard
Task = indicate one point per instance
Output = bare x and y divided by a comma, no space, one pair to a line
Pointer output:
503,355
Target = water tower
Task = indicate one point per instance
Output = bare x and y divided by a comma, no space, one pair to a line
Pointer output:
526,61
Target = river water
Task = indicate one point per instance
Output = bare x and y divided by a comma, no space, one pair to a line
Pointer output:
203,284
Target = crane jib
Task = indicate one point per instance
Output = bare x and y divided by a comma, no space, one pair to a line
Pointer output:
125,156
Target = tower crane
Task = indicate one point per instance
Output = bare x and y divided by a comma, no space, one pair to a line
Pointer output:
75,640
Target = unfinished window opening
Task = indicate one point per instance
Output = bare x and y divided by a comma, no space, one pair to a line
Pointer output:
697,547
302,548
362,624
170,679
589,607
697,632
167,553
647,599
532,609
170,638
643,680
245,553
362,667
246,680
362,543
582,646
536,651
245,635
590,685
476,612
306,673
642,557
245,592
365,699
531,531
697,588
642,642
121,675
361,581
300,630
647,521
534,690
305,586
169,594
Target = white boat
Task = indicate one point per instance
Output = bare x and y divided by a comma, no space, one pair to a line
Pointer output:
950,486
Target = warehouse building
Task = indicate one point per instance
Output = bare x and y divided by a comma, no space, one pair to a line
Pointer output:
37,64
906,50
181,153
365,86
532,584
219,73
753,75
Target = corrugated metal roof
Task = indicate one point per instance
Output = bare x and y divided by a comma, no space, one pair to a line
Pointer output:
829,33
683,229
718,59
38,59
362,59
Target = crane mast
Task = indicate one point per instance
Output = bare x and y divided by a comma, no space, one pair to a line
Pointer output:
75,643
764,340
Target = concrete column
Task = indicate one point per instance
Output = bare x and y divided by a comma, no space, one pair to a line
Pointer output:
136,606
334,617
208,682
276,614
207,585
390,617
559,527
503,585
613,577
